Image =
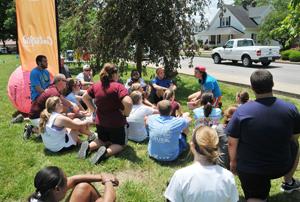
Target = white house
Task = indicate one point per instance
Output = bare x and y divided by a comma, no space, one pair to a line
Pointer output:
236,22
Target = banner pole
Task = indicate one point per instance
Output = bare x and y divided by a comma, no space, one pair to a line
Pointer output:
57,35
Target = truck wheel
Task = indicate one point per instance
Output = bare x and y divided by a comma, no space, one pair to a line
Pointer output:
234,61
217,58
266,63
246,60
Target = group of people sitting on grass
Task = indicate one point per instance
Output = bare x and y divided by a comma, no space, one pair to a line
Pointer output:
257,140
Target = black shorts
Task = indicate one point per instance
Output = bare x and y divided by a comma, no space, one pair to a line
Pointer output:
258,185
113,135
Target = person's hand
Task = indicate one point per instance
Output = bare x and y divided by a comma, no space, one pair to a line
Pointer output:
233,167
106,177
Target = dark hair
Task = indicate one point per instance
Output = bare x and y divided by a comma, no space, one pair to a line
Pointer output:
243,96
206,101
262,81
45,180
168,94
106,74
204,76
164,107
39,59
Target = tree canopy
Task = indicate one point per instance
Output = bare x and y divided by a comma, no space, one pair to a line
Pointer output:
7,21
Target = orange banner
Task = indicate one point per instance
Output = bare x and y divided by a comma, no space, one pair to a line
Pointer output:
37,33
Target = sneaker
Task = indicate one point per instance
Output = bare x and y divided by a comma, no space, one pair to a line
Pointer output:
99,155
17,119
289,188
92,137
83,151
27,131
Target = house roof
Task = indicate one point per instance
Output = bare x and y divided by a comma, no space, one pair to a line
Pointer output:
242,15
257,11
221,31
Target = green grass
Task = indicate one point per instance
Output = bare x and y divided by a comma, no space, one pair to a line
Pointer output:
141,179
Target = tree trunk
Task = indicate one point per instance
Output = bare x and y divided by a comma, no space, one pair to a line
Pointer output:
139,57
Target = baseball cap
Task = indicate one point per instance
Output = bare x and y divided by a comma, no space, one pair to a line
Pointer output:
86,66
200,68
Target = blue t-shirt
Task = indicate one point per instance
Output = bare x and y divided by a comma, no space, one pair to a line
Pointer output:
164,133
264,128
213,118
211,84
162,82
38,77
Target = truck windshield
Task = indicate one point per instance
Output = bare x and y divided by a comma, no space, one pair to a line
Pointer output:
242,43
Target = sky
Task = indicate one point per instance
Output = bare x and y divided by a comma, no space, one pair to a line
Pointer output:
212,10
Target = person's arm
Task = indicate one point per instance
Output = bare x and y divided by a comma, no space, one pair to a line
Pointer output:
173,87
127,103
157,87
39,89
64,121
232,150
69,104
109,195
89,102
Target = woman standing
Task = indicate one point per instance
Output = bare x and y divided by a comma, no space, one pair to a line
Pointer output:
113,106
204,180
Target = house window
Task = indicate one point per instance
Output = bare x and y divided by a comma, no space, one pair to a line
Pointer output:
212,39
225,21
253,36
219,39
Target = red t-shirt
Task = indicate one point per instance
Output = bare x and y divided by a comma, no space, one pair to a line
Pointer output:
109,104
38,105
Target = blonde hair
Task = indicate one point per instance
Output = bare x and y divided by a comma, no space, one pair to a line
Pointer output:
168,94
135,86
136,97
45,115
206,143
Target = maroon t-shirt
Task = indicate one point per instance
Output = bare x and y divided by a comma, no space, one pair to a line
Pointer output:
174,107
38,105
109,105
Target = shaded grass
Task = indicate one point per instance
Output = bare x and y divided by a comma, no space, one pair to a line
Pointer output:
141,178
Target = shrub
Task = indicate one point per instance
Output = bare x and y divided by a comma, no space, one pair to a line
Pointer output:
285,54
294,56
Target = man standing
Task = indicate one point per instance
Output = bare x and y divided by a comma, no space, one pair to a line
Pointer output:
39,77
263,140
167,134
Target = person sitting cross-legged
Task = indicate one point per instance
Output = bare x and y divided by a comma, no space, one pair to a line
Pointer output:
136,129
167,134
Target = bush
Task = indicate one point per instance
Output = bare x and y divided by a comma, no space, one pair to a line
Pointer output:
285,54
294,56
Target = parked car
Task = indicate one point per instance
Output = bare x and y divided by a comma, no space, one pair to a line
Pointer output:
245,50
3,50
70,55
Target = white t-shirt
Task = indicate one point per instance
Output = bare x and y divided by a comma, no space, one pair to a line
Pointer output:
197,183
137,130
54,138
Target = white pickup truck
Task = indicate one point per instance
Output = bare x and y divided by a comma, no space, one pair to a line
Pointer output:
245,50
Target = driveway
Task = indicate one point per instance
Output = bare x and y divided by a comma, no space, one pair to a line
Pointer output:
286,76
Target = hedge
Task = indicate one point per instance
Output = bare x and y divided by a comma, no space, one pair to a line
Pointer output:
294,56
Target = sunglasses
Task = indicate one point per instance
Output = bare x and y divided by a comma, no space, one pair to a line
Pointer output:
87,70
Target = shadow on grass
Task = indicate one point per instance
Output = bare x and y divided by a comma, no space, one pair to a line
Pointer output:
129,154
184,159
284,197
60,153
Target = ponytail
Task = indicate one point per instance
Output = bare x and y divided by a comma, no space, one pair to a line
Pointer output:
106,74
44,117
207,109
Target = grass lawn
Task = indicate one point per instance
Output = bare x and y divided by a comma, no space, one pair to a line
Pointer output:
141,179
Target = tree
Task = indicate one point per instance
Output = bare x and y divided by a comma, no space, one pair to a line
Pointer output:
294,3
253,3
127,30
7,21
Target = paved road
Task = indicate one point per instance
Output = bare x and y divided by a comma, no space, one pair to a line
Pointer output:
286,76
